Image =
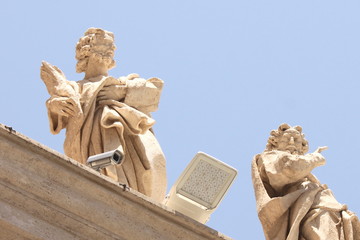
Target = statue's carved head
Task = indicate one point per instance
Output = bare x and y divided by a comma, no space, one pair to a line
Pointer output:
288,139
97,43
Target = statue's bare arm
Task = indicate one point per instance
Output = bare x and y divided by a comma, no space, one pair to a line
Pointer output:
283,168
299,166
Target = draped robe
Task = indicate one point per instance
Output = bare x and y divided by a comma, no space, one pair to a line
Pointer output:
109,124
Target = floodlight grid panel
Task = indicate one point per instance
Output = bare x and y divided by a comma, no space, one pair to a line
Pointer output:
207,182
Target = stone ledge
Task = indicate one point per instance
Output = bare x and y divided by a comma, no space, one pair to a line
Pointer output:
46,195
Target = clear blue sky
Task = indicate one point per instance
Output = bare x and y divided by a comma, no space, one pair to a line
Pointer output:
233,71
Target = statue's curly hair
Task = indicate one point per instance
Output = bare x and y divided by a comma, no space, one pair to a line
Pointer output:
275,135
84,47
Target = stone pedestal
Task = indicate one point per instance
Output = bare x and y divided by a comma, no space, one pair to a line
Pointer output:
46,195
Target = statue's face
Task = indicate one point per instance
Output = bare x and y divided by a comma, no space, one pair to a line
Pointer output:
290,141
102,49
102,54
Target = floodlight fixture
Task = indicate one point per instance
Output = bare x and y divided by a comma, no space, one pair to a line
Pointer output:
201,187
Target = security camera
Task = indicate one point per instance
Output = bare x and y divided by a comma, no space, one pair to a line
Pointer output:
102,160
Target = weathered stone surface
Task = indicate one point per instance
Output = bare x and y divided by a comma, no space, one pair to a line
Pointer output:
46,195
102,113
291,202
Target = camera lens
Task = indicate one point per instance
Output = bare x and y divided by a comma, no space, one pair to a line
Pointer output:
117,157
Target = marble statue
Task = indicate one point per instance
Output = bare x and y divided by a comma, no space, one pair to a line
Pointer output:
291,202
103,113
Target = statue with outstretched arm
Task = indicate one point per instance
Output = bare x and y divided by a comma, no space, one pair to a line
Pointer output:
291,202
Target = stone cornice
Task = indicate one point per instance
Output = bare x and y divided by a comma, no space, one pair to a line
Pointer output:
46,195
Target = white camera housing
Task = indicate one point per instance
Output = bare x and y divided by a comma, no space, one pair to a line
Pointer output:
102,160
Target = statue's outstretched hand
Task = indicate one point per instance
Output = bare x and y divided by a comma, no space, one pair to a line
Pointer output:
51,73
320,149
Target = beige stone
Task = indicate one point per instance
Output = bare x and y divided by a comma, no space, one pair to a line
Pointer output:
291,202
103,113
47,195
